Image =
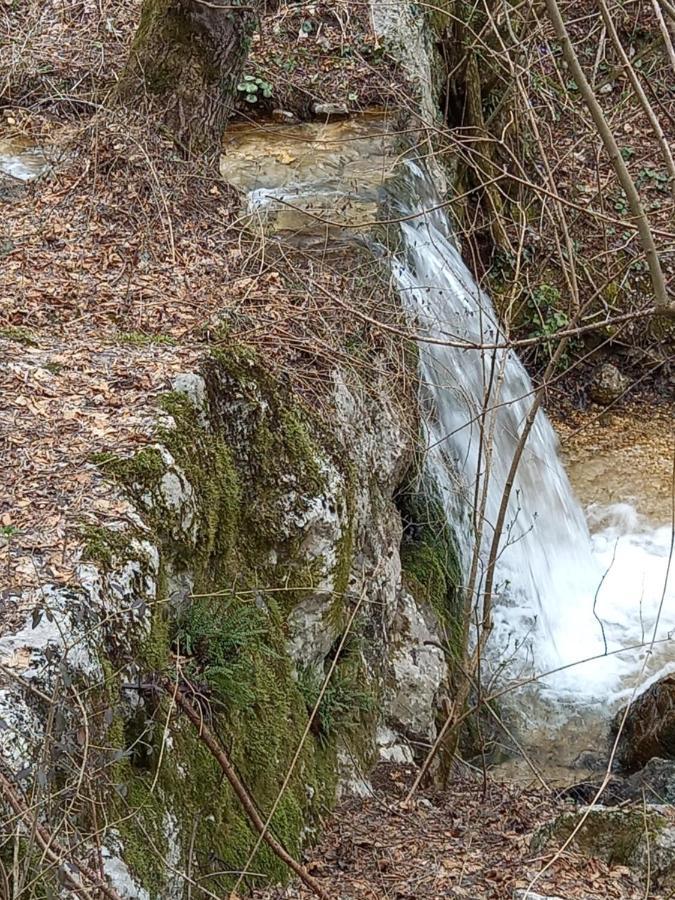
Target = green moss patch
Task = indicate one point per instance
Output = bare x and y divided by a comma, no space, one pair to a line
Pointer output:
19,335
106,546
142,470
430,561
345,705
233,653
253,461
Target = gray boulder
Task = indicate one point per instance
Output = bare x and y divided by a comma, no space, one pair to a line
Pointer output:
331,110
649,728
607,384
656,782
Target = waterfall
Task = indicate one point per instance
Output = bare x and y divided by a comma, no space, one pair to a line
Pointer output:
558,598
561,594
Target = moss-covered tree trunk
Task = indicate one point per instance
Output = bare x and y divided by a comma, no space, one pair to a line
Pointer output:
185,63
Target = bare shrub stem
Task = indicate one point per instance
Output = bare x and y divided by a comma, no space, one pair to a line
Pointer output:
665,305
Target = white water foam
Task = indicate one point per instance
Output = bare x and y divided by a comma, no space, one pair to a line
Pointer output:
561,596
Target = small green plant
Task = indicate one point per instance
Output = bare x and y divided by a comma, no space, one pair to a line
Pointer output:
221,636
254,88
343,704
546,319
652,178
621,203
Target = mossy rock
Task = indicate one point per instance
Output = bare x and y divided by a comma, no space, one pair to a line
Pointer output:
430,561
619,837
251,448
252,701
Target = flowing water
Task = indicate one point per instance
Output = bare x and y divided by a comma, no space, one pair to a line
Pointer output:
563,592
21,161
562,596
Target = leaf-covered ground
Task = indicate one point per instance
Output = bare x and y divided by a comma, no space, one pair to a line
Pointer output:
469,841
126,264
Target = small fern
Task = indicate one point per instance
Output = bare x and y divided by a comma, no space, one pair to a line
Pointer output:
343,704
222,636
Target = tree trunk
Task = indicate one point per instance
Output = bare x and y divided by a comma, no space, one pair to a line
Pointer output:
185,64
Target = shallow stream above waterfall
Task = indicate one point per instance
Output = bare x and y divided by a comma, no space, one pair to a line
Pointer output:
574,580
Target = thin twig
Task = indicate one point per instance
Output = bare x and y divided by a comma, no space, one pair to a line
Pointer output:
54,853
665,304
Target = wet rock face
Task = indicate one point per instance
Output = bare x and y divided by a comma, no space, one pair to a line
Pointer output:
403,31
607,385
649,729
312,179
418,671
656,783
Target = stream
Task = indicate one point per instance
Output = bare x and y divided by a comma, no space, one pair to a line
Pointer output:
578,596
582,586
579,591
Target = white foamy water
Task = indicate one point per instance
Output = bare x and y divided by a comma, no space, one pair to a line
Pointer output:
561,595
564,591
638,586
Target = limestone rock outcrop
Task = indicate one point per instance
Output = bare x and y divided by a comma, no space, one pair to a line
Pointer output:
642,838
260,552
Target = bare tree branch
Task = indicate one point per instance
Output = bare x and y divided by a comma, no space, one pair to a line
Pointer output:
664,303
221,757
57,855
640,94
